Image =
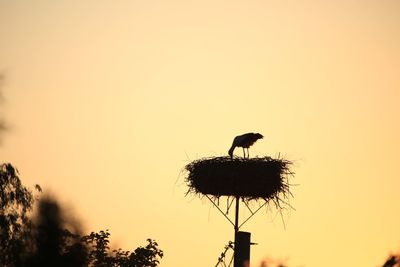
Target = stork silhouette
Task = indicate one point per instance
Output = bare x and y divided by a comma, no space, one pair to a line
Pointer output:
244,141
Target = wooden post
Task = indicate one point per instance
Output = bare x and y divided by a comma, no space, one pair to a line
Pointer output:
242,249
241,257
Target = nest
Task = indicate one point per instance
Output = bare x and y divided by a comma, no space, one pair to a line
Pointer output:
251,179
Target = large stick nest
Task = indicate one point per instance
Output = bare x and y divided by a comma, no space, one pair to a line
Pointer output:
251,179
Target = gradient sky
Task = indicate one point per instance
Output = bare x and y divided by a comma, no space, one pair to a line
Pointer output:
108,100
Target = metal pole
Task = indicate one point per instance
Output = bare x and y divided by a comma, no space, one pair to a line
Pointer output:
242,243
237,216
236,262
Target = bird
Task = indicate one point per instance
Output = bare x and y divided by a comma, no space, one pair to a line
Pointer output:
244,141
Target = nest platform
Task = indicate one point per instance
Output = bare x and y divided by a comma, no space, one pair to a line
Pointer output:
251,179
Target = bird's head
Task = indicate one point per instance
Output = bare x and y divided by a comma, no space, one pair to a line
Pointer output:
230,152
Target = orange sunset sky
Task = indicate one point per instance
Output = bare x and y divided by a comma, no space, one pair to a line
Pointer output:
107,101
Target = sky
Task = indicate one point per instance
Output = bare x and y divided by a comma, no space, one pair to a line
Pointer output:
107,101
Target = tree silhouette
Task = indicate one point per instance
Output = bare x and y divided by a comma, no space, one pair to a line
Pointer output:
50,239
100,255
15,203
47,240
392,261
56,246
52,244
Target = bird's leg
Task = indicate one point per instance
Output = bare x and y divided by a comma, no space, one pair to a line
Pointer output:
248,153
244,152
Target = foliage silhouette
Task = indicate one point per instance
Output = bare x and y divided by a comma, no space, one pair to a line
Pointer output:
57,246
100,255
52,243
392,261
15,203
51,239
